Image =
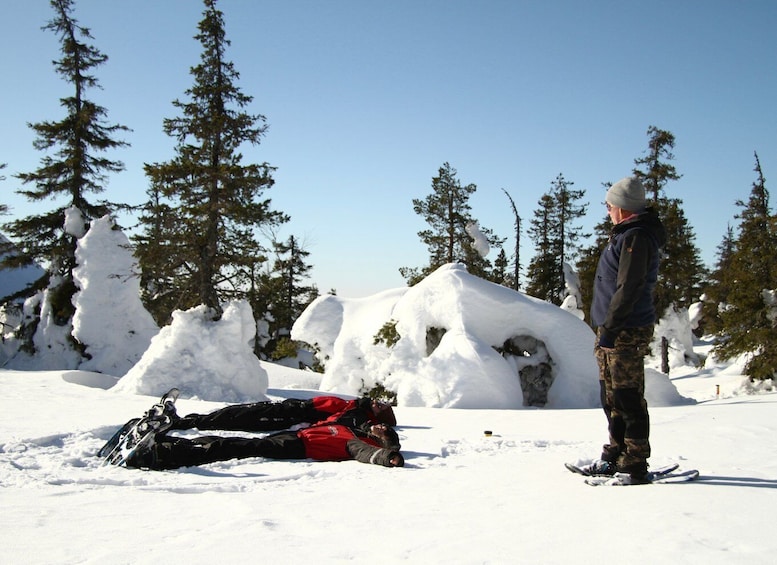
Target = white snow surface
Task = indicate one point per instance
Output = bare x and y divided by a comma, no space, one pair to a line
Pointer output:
461,498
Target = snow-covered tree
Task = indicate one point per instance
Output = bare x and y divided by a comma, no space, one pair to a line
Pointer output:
109,295
77,169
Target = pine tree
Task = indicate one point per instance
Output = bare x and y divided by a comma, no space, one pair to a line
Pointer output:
515,278
447,212
681,271
719,286
748,327
569,211
77,169
3,207
543,272
214,200
657,169
556,238
160,251
278,297
291,270
501,275
6,246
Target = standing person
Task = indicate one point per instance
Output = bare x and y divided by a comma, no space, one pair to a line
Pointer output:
624,316
371,443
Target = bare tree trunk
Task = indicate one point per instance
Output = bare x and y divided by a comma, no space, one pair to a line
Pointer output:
664,355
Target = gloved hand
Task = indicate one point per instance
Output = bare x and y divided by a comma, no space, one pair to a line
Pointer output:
396,459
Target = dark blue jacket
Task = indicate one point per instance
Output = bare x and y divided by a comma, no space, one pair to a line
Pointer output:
626,277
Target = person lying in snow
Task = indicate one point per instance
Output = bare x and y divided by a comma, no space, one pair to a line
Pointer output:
269,416
371,443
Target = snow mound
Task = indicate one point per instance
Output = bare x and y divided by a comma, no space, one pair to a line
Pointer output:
458,342
204,359
660,391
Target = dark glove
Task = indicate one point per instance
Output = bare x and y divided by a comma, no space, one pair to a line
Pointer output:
396,459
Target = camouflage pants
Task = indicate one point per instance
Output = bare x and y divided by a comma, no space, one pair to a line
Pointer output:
622,383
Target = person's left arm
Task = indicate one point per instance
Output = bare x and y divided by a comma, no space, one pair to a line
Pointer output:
328,404
366,453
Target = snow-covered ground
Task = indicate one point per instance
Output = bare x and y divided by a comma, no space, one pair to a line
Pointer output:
461,498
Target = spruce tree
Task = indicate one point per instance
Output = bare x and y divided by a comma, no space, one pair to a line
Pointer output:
77,168
501,274
543,271
160,251
556,237
569,210
279,296
291,270
515,277
447,211
681,271
6,246
719,286
656,167
3,207
214,200
748,326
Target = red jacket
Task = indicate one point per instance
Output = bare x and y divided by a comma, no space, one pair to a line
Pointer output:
329,442
332,404
352,413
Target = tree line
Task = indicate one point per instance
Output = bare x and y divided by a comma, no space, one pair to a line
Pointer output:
738,296
201,233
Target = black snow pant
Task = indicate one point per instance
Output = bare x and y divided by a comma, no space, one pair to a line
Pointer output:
173,452
256,417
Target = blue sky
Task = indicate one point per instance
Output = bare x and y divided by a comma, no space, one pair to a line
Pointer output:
366,100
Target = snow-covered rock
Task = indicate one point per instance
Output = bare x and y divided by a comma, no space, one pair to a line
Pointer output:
463,342
204,359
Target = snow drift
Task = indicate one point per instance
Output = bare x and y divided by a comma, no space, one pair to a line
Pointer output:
461,342
205,359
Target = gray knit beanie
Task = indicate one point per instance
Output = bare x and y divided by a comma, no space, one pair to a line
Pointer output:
628,194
